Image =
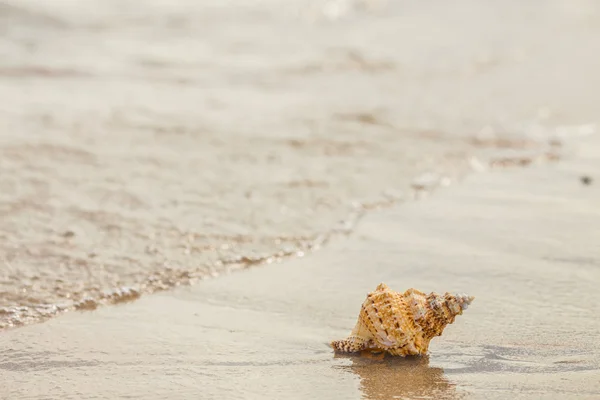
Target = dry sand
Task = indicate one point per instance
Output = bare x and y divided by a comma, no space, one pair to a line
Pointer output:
148,145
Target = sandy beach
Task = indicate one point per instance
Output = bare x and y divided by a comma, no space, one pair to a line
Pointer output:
532,331
195,197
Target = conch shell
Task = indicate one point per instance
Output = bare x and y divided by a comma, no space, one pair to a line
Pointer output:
402,324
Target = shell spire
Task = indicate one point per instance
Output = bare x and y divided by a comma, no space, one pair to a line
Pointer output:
402,324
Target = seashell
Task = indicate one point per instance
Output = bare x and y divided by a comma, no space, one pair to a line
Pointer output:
402,324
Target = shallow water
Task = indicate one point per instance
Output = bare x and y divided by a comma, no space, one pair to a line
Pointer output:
523,242
151,144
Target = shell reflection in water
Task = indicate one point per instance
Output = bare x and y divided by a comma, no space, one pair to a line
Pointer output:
401,378
402,324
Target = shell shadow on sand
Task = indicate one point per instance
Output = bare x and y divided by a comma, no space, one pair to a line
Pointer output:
387,377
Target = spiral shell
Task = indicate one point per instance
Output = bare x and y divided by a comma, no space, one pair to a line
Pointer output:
402,324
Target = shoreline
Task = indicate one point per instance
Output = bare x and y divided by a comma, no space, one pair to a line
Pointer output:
421,186
520,241
149,146
154,153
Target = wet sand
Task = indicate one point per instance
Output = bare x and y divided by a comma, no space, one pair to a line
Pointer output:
524,242
147,147
150,145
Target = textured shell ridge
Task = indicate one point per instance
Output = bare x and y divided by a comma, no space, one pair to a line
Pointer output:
402,323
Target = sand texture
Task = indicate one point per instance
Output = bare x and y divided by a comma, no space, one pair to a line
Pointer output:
144,145
263,333
203,192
